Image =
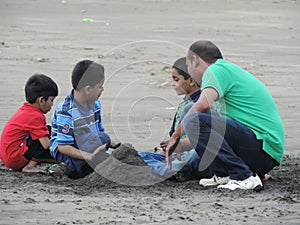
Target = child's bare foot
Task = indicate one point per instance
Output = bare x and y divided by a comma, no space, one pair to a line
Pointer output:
31,168
267,177
28,169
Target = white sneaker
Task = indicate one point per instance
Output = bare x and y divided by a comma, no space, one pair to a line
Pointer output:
251,183
213,181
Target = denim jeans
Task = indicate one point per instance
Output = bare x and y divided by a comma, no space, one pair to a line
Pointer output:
188,164
81,167
226,147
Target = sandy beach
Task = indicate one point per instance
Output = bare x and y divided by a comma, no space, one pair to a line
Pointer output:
137,41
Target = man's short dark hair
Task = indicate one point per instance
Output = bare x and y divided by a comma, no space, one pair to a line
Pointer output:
40,85
87,73
206,50
181,67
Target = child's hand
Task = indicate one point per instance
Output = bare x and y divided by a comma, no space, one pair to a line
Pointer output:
100,149
162,147
164,144
114,145
159,150
172,144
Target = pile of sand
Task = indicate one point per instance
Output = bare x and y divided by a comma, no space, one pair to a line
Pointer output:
124,167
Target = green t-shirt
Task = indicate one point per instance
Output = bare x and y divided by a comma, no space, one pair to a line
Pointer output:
245,99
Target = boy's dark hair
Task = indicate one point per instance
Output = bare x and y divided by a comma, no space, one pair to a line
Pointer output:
206,50
181,67
40,85
87,72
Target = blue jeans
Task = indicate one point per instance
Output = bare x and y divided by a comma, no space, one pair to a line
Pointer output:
188,164
226,147
80,167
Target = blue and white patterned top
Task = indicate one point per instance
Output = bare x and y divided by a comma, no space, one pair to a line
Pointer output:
75,125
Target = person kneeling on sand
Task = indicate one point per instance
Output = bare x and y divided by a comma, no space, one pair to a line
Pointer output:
78,138
246,139
25,138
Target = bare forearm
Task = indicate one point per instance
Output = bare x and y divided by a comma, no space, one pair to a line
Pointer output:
74,152
45,142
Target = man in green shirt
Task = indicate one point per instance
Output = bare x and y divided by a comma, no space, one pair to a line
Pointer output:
246,139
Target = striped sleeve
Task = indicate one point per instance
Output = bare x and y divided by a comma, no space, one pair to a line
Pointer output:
98,116
65,128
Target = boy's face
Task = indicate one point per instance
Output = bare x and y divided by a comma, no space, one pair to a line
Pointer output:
96,91
46,105
179,84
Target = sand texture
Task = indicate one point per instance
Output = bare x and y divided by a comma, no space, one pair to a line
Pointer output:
137,41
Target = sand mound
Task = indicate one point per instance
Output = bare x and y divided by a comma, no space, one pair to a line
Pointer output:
124,167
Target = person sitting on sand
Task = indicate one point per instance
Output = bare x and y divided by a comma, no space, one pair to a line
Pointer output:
246,139
183,84
78,139
25,138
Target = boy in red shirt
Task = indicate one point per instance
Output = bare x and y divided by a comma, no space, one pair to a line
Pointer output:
25,138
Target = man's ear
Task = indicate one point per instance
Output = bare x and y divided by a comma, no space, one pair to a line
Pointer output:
196,60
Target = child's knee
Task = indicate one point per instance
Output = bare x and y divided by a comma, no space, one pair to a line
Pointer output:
191,122
185,110
105,138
